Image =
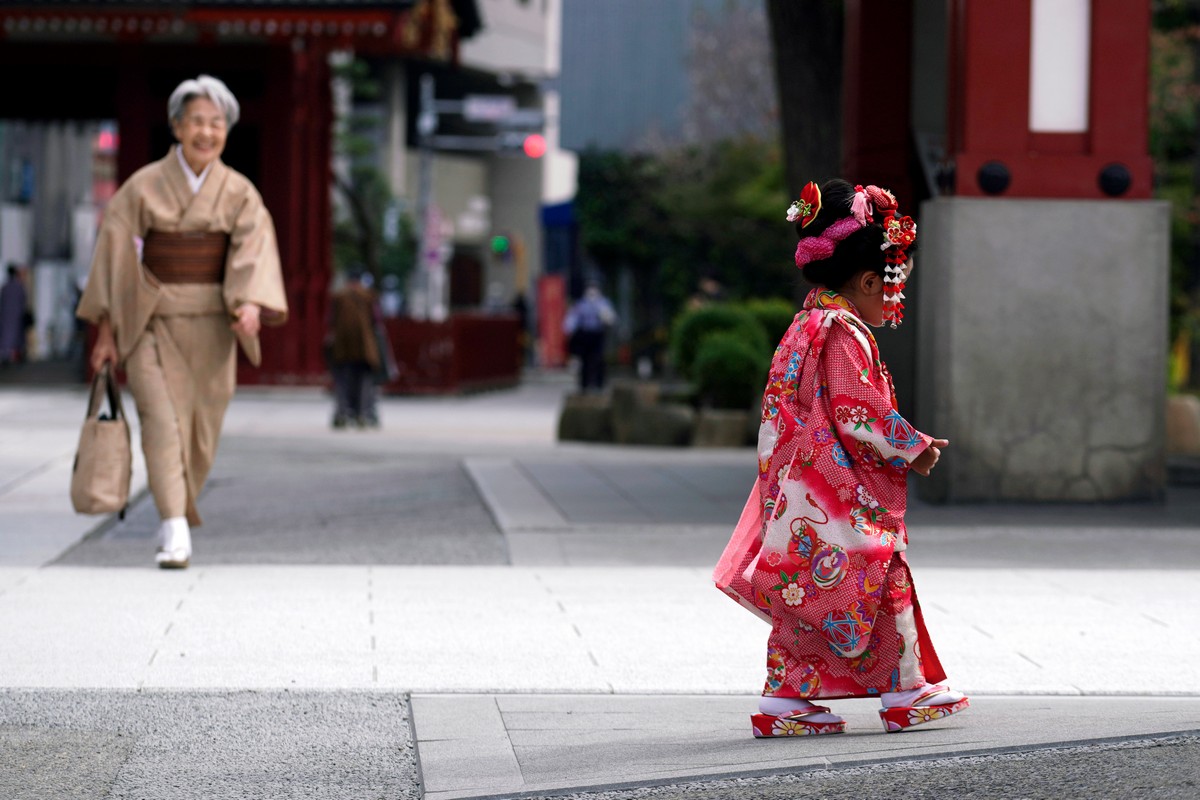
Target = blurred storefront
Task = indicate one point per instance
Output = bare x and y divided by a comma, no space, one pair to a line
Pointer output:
85,107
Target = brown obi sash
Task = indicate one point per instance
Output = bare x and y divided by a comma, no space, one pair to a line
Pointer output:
186,256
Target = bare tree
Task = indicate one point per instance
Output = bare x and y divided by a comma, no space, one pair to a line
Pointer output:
807,44
730,75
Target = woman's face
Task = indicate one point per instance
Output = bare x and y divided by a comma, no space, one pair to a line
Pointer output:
201,133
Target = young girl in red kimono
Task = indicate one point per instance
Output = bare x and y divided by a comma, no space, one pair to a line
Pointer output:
819,549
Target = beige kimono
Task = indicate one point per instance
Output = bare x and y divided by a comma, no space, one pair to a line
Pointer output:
175,339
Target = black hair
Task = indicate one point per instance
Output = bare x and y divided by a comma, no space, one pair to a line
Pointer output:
859,251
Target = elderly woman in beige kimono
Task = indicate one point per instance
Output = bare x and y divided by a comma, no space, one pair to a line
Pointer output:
186,265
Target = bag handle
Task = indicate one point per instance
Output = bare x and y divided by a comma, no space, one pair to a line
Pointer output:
105,383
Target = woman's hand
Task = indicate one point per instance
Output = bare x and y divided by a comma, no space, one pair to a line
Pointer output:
924,463
247,323
105,349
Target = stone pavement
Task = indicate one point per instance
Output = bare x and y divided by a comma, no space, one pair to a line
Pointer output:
491,613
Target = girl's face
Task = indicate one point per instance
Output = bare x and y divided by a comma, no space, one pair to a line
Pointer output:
865,290
201,133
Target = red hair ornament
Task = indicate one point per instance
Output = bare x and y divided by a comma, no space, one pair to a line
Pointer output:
805,209
868,203
899,233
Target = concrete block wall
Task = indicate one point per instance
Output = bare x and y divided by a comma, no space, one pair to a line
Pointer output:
1042,348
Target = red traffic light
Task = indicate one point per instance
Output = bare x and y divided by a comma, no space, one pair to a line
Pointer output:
534,145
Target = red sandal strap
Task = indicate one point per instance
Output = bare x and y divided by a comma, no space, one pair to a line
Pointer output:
932,691
799,714
919,700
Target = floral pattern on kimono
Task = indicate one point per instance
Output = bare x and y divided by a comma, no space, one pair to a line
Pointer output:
818,551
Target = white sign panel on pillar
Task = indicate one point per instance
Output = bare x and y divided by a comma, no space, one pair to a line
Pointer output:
1060,66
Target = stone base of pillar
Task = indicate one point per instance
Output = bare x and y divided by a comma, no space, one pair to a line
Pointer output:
1042,348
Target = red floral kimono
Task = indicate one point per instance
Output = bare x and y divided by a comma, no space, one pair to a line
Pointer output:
818,550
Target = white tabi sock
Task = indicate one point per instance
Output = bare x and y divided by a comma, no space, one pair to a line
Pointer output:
905,699
174,534
781,706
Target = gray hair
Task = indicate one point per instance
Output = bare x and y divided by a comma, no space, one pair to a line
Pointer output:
204,86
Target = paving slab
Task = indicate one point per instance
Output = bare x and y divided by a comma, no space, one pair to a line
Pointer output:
467,746
594,743
489,629
634,506
642,488
515,499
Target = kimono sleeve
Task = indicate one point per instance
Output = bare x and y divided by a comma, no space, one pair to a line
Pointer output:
252,270
116,289
115,250
862,410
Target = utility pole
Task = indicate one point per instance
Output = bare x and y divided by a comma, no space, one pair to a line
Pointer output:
420,302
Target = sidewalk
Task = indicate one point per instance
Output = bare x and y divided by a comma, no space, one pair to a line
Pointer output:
542,612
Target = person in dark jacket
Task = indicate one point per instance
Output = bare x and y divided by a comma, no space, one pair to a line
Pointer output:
354,357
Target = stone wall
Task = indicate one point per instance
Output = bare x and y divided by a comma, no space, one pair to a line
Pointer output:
1042,348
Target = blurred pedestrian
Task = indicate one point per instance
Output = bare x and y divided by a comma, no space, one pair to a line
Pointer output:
708,291
520,307
586,324
186,266
15,317
356,356
819,549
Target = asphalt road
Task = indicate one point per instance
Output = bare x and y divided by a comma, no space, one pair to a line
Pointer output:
1153,769
224,745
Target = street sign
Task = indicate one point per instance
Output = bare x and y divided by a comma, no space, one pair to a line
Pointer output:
488,107
523,119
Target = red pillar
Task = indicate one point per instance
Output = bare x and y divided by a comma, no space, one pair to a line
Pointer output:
296,151
134,107
990,97
317,179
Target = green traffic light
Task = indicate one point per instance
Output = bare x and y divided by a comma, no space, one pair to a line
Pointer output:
500,245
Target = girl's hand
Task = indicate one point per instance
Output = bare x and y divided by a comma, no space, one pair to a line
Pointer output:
105,349
247,322
924,463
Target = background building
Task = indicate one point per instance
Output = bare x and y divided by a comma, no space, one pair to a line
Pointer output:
97,74
93,111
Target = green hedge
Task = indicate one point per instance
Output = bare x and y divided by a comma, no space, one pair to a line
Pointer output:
729,371
774,314
693,327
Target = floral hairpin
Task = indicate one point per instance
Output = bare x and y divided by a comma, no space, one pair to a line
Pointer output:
899,232
805,209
